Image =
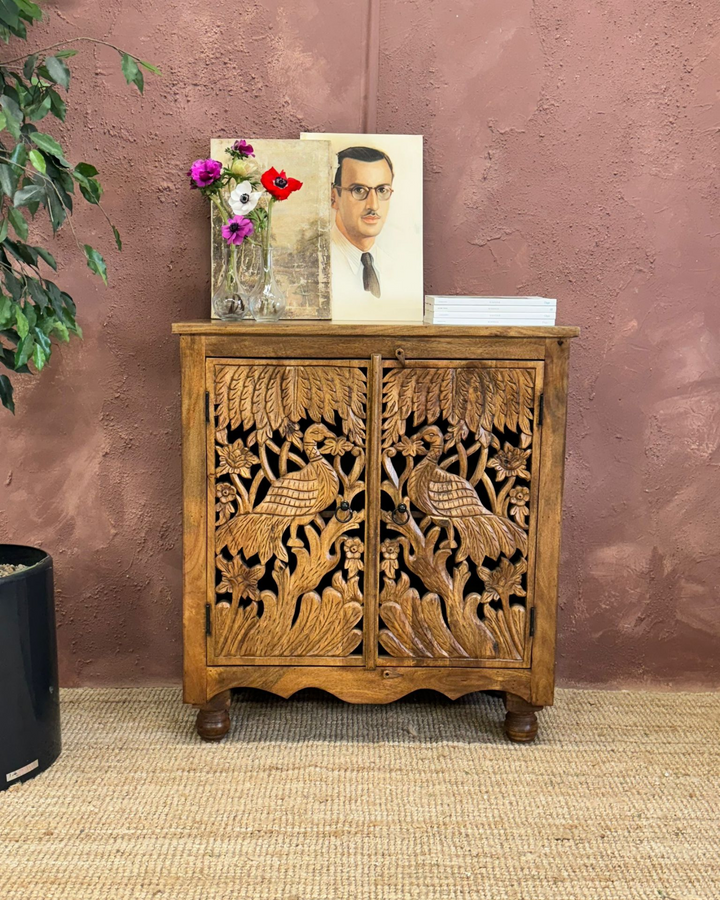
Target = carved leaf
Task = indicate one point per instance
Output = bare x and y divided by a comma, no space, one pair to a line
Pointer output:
296,392
264,396
479,397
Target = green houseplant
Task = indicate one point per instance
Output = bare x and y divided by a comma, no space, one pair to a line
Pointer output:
37,178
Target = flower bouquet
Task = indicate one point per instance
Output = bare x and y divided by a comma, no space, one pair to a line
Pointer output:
245,199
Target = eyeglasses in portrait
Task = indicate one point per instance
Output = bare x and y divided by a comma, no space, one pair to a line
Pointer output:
376,243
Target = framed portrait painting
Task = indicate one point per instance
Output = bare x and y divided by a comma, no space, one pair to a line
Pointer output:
375,200
300,227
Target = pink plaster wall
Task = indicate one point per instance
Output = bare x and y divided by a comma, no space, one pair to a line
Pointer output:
571,151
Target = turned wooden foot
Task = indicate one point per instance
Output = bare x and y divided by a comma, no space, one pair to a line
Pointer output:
213,719
521,723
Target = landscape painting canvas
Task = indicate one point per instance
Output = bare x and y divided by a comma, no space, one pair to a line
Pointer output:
300,227
375,199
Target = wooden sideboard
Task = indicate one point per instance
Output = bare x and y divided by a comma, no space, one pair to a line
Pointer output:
371,510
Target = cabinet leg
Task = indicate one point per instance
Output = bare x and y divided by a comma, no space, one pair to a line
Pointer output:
521,723
213,719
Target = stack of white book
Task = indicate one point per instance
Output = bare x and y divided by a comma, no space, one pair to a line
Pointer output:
441,310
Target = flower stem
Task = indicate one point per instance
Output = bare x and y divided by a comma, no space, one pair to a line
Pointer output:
266,236
218,202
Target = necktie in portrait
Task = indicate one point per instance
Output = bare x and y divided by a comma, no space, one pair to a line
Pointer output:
370,279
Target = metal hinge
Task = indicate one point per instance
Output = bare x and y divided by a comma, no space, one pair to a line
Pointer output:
541,409
208,620
532,621
207,406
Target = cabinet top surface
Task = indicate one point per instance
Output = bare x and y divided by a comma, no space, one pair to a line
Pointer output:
295,327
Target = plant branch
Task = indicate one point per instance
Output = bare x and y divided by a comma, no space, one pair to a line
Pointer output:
88,40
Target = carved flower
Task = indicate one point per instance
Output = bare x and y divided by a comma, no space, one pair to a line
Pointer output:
390,550
506,579
519,497
238,579
337,445
225,493
235,459
353,556
291,432
511,462
410,446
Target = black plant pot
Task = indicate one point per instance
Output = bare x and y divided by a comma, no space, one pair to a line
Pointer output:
29,701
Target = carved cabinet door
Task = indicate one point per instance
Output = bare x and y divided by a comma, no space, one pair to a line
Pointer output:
286,481
460,451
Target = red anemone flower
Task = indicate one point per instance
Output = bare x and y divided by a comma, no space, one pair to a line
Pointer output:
278,185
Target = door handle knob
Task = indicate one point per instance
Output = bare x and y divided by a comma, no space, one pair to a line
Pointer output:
400,514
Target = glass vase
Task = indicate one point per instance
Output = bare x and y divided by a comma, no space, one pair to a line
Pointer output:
230,300
267,301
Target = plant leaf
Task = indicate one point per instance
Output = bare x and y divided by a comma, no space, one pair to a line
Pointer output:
9,14
19,156
118,240
86,169
55,209
30,9
59,72
13,284
66,54
90,189
13,115
58,107
150,67
39,357
49,145
43,341
18,223
37,293
61,330
7,312
21,323
3,230
29,66
6,393
47,256
132,73
8,180
24,350
24,252
38,160
41,110
29,194
95,262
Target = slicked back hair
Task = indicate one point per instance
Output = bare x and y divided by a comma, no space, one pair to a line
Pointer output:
363,154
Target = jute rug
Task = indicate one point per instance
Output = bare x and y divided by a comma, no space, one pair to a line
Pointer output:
312,799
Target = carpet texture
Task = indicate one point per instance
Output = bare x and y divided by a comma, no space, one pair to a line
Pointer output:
424,799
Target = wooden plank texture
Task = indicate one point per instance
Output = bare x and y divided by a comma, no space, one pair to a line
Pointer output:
192,356
399,329
552,464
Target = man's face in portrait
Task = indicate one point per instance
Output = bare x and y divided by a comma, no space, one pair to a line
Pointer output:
359,218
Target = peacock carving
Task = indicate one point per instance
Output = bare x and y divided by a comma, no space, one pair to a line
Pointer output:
293,500
451,501
457,440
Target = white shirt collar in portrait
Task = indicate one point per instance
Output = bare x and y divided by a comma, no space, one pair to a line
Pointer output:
353,255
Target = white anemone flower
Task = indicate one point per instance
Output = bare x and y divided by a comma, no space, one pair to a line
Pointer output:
243,199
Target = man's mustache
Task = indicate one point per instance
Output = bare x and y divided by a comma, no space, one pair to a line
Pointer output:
371,212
